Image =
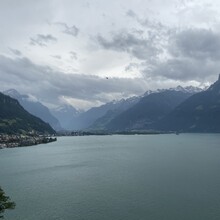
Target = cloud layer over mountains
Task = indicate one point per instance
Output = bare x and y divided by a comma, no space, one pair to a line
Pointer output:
89,52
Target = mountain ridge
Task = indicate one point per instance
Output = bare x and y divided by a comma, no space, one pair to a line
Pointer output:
106,122
199,113
34,107
148,110
15,119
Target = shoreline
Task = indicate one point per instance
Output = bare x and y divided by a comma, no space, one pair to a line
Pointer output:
18,140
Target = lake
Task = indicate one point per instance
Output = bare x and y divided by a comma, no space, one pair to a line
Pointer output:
136,177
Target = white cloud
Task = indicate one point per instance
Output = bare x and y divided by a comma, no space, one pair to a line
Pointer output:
70,30
140,45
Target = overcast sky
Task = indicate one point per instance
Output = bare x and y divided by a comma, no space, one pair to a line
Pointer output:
90,52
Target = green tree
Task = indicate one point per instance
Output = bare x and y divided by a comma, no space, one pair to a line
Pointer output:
5,203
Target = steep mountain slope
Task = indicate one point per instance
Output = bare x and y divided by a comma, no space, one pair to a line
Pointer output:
148,110
87,118
14,119
122,105
102,122
35,108
199,113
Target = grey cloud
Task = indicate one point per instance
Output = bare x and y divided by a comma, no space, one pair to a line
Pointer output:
193,55
73,55
144,43
42,40
132,66
169,53
49,85
15,52
131,13
138,31
152,25
196,43
185,70
139,47
70,30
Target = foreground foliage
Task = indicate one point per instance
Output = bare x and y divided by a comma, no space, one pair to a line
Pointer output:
5,203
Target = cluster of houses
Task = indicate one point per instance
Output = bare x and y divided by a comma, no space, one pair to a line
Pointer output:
18,140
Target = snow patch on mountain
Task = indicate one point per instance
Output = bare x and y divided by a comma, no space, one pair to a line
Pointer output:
187,89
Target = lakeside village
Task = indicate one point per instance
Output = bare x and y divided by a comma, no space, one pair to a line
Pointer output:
34,138
22,140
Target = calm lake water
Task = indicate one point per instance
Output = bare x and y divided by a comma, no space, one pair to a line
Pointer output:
141,177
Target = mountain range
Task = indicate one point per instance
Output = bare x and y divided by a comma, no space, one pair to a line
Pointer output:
199,113
88,118
173,110
148,109
188,109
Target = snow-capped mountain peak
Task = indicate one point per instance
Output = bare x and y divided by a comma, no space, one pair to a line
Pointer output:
187,89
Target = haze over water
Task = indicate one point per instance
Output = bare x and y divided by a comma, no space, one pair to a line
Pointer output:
115,177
